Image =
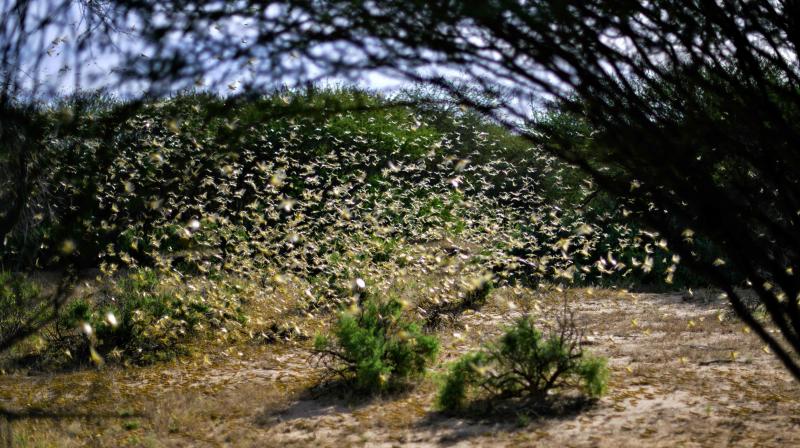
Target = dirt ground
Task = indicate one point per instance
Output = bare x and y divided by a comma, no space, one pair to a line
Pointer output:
684,373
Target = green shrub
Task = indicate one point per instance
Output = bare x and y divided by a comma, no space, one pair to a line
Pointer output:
526,365
139,318
376,348
20,304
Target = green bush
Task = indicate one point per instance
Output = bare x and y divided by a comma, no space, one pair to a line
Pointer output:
375,348
526,365
20,304
138,318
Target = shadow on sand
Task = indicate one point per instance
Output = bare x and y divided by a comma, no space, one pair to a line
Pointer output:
480,418
327,398
492,416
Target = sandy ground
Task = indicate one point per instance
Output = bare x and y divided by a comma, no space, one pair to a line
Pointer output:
683,374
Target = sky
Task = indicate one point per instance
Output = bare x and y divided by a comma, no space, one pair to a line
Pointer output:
50,62
54,64
50,67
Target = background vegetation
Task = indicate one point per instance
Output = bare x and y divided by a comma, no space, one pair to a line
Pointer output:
322,185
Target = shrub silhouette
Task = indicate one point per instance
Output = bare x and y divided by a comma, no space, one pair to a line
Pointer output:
376,348
526,365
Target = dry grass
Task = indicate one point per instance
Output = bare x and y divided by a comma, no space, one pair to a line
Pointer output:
681,377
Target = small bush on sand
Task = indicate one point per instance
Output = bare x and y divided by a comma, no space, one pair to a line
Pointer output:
376,348
527,366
